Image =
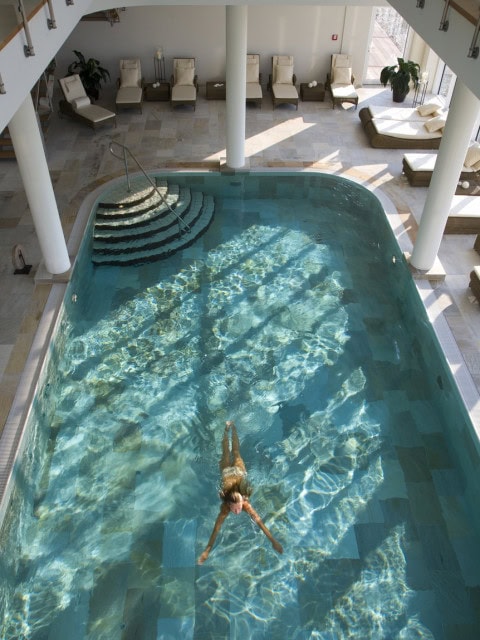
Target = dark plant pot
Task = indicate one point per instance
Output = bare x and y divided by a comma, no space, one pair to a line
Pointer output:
399,96
93,94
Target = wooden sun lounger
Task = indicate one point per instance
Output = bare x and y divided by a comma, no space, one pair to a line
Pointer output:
464,215
384,141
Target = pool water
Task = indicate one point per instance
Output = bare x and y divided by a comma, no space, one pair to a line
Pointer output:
295,316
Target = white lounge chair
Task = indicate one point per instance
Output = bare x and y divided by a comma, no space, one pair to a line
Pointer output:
130,85
282,81
254,79
76,103
184,82
340,80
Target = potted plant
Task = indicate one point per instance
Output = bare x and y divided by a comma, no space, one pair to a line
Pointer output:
91,74
399,76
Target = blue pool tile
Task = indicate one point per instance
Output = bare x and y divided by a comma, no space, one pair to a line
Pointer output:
393,485
179,543
175,628
466,550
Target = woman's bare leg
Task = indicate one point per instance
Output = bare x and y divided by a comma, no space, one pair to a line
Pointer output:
237,458
225,459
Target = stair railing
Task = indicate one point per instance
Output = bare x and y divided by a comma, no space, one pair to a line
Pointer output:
183,227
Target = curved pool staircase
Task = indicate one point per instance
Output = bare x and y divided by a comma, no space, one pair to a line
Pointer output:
148,219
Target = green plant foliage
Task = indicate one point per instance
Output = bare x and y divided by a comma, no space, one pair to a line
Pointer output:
400,75
91,74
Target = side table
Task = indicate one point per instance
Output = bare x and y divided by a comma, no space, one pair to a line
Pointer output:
312,94
157,94
216,90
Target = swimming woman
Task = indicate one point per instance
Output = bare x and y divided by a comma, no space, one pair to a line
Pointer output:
235,491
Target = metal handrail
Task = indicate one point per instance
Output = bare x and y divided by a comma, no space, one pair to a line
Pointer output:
182,225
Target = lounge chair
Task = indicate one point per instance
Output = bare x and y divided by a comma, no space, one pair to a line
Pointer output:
340,80
418,167
130,85
254,79
464,216
77,105
282,81
402,127
184,82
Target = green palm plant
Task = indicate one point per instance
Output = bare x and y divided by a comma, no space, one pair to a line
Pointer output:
91,74
399,76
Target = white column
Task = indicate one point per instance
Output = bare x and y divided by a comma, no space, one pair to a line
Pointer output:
32,164
236,40
462,115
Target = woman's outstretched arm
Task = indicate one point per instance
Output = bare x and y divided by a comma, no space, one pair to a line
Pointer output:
256,518
224,511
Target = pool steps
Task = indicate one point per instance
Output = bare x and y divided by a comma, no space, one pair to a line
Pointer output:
138,227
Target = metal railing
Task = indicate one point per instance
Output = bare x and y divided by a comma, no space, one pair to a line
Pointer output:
183,227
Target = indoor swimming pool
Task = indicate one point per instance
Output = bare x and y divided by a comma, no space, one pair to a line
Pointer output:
295,316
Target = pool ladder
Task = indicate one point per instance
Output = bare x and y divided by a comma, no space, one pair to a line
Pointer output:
125,152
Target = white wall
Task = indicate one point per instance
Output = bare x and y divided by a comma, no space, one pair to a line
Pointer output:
302,31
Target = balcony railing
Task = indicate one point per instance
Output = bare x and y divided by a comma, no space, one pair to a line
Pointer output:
11,21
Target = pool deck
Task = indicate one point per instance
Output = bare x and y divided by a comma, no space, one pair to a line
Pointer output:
314,137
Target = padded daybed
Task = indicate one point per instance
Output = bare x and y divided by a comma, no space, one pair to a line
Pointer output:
464,216
418,167
402,127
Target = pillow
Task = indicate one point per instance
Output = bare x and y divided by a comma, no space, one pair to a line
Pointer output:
283,74
252,72
69,82
430,107
129,64
435,124
342,75
473,155
78,103
476,166
128,78
185,76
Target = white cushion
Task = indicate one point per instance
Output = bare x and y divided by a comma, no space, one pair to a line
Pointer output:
283,74
254,91
465,206
427,109
421,161
473,155
129,64
476,166
426,162
78,103
435,124
185,76
403,129
73,87
343,91
94,113
181,92
395,113
252,72
129,95
430,107
129,78
284,91
341,60
184,63
342,75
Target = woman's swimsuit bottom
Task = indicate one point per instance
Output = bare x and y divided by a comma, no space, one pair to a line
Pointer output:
234,472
